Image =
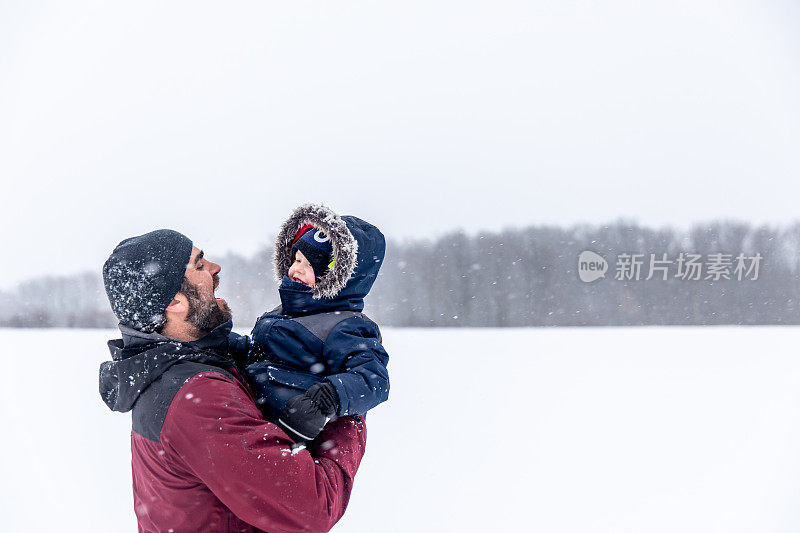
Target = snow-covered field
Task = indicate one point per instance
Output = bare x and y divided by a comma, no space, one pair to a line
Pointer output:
639,430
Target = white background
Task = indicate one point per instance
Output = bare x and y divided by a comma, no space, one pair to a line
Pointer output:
608,430
118,118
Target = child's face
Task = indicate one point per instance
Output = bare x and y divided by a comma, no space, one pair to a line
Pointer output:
301,270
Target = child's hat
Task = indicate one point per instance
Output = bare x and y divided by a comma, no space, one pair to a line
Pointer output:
317,248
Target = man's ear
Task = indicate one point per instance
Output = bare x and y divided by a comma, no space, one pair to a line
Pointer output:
177,305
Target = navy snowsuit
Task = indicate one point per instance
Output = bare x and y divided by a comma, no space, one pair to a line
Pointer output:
309,339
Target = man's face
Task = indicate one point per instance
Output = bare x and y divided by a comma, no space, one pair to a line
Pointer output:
201,280
202,273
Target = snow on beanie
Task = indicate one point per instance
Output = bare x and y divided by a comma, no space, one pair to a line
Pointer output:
317,248
143,275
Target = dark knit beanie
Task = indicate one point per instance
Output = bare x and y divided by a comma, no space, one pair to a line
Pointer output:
143,275
317,248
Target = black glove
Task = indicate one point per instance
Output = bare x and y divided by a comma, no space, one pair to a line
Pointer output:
306,414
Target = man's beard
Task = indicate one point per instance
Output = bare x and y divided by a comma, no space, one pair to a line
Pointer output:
203,314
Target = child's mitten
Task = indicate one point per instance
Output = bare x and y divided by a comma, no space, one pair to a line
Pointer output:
306,414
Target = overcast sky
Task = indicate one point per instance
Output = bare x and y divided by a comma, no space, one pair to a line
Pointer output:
217,118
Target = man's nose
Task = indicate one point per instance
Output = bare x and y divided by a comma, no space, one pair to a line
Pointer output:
214,268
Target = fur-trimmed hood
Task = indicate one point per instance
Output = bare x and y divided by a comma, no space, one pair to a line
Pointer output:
358,248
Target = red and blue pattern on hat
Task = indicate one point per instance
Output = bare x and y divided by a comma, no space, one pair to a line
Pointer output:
316,246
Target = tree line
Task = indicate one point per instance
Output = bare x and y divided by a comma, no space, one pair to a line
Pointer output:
514,277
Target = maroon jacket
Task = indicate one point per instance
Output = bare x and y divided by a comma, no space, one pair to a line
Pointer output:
203,457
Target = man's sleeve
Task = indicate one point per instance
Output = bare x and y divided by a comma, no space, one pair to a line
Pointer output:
215,430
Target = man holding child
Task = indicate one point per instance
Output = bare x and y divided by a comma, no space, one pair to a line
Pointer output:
203,456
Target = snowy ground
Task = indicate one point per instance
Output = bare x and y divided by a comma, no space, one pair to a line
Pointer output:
642,430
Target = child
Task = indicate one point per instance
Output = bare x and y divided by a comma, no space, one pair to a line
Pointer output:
317,356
